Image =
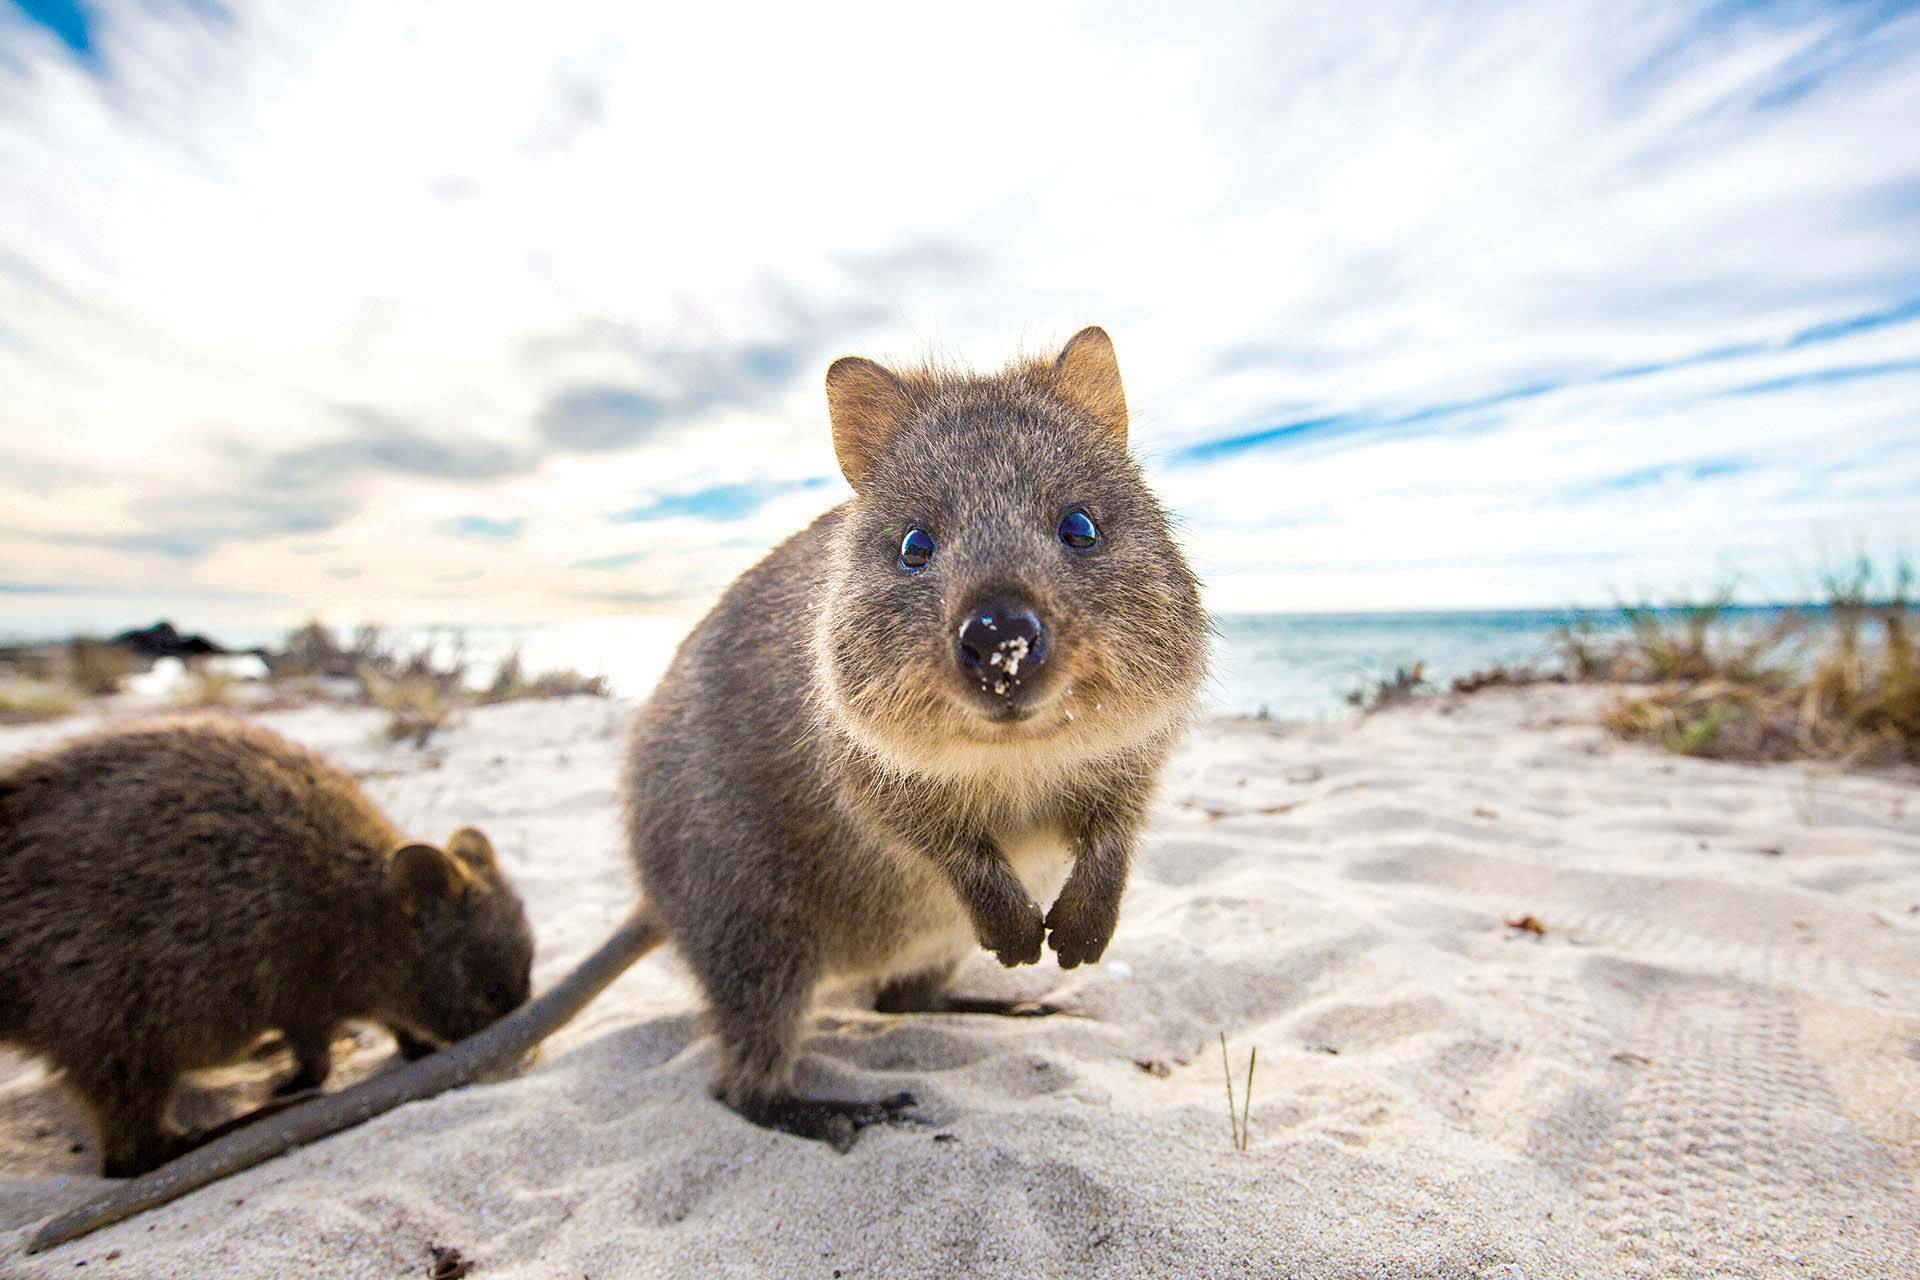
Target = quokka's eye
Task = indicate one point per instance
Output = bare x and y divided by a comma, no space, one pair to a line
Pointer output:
1078,530
916,549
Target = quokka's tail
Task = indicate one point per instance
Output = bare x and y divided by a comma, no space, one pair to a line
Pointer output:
279,1131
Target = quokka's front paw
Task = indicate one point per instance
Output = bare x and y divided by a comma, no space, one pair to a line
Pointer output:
1015,934
1080,927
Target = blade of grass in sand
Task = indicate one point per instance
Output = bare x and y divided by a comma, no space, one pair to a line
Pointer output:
1226,1069
1246,1106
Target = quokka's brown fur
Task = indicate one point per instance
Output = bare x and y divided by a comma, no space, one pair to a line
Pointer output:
818,791
815,792
171,890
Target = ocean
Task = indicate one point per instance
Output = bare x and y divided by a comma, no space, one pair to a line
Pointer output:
1300,666
1292,666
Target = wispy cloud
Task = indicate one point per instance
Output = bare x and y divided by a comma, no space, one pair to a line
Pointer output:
625,560
1313,429
1521,300
590,419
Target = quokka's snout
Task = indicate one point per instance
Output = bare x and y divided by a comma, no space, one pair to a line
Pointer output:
1001,649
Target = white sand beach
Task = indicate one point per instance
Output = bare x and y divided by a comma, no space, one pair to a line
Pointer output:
1707,1065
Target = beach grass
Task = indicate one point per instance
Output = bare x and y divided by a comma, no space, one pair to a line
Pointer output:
511,683
1842,685
25,700
1378,693
1838,681
1240,1118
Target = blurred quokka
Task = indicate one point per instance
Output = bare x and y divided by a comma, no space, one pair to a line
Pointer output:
933,718
169,891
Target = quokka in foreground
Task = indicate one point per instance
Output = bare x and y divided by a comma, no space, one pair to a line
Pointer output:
943,704
933,718
170,891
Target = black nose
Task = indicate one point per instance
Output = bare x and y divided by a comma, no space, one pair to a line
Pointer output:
1001,645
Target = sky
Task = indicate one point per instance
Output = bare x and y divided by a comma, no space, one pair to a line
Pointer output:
479,313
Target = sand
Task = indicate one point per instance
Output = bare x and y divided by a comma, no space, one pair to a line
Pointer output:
1708,1064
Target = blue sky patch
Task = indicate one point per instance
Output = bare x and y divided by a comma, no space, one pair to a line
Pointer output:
718,502
67,20
1825,377
499,530
1648,477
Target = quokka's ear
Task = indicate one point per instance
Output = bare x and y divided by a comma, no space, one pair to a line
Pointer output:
1087,376
471,847
867,404
418,873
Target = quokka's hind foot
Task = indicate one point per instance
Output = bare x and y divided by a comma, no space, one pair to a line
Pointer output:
129,1100
297,1085
412,1047
838,1124
312,1062
131,1158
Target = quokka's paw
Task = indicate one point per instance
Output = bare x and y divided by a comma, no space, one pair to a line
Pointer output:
838,1124
1080,927
1016,936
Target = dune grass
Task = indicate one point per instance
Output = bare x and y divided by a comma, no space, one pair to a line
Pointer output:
209,690
23,701
416,707
96,668
511,683
1378,693
420,689
1839,682
1842,686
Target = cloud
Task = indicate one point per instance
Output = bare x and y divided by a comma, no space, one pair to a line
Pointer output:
591,419
1314,429
381,444
312,488
687,382
629,599
1491,291
624,560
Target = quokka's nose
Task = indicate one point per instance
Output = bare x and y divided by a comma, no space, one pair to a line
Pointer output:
1001,645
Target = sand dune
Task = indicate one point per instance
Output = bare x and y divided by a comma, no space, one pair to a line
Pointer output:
1708,1065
